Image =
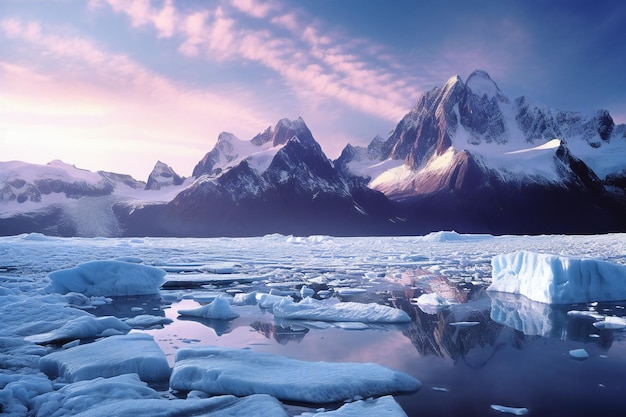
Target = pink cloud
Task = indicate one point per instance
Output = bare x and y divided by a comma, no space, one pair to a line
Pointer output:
254,8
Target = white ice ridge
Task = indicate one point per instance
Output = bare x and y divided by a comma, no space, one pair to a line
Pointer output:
108,278
219,309
554,279
384,406
126,395
311,309
115,355
241,372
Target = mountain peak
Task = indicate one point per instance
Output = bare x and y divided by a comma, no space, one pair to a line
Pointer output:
481,84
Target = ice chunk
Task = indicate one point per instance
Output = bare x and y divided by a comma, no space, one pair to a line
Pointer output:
270,300
432,303
311,309
510,410
108,278
18,391
115,355
554,279
580,354
611,323
80,328
218,309
147,320
83,395
465,323
241,372
384,406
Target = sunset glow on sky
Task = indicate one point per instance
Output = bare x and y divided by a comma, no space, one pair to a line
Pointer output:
116,85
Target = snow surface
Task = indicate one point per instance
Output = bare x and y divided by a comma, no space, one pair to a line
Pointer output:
554,279
111,356
311,309
108,278
241,372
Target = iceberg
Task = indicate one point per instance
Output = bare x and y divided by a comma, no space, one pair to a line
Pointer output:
219,309
115,355
108,278
554,279
241,372
311,309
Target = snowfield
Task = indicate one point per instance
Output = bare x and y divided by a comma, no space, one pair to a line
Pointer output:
311,326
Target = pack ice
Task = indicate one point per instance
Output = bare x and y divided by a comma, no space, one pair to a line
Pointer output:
241,372
108,278
554,279
312,309
126,395
115,355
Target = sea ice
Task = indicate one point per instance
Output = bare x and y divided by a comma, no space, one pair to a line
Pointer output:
311,309
81,328
384,406
241,372
219,309
510,410
108,278
554,279
611,323
580,354
144,321
111,356
432,303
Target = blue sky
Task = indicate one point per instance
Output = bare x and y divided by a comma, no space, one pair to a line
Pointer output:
119,84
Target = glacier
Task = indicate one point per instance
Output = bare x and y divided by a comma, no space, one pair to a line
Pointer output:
554,279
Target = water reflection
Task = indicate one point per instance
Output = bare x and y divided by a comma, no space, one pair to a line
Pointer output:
220,327
280,334
537,319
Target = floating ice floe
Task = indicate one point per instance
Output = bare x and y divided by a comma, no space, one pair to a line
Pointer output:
554,279
147,320
242,372
465,323
108,278
432,303
518,411
81,328
311,309
580,354
384,406
114,355
611,323
219,309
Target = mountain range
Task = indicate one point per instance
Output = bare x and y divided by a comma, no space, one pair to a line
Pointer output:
466,157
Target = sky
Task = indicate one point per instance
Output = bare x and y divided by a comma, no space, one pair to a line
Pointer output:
116,85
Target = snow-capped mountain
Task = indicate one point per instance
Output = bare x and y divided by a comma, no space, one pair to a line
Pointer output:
468,156
162,175
278,181
61,199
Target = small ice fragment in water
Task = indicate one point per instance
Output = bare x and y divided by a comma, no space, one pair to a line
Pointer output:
580,354
611,323
464,323
510,410
440,389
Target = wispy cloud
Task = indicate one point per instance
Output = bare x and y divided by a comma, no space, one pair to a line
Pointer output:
315,62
